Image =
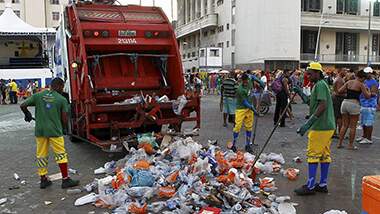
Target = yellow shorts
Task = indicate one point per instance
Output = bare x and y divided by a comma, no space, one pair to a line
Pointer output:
318,148
42,153
243,116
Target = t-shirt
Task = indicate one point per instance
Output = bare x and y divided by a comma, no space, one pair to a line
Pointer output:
229,88
13,86
49,106
372,101
242,93
326,120
264,80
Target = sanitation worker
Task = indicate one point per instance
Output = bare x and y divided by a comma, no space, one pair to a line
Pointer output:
244,113
51,115
322,127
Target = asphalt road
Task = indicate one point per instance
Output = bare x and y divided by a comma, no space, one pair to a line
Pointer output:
17,148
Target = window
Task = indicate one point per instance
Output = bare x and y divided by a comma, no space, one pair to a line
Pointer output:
309,41
311,5
375,44
376,8
17,12
220,29
212,32
214,52
202,53
193,54
228,44
1,1
188,55
15,1
205,34
54,1
219,2
233,12
347,43
347,7
220,45
233,33
55,16
228,26
184,56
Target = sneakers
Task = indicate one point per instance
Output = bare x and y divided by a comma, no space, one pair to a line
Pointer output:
318,188
68,182
365,141
45,183
304,190
248,149
233,148
359,139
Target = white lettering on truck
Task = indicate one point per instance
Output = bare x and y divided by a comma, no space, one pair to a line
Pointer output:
127,41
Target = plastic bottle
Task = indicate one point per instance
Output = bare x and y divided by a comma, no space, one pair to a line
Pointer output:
15,175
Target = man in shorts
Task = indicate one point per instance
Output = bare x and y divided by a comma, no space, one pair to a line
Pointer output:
368,108
228,98
322,127
338,97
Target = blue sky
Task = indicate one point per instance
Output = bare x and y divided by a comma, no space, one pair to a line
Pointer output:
165,4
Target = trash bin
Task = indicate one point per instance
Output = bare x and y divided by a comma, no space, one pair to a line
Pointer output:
371,194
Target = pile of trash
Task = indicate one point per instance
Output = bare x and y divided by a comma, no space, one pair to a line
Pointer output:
179,175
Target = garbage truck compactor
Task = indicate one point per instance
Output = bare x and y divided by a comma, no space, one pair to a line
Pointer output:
123,73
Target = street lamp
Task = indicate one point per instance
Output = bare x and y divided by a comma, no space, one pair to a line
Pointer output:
321,22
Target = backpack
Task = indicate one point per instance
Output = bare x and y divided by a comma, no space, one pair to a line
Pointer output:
277,85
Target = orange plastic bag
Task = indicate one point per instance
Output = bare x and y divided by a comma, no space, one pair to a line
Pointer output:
238,162
119,181
172,177
135,209
266,183
166,192
291,174
226,179
222,163
147,147
142,164
193,159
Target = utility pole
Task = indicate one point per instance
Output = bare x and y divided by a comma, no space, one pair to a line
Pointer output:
369,32
154,2
172,9
140,2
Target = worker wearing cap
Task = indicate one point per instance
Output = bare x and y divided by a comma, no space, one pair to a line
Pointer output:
322,126
51,115
244,113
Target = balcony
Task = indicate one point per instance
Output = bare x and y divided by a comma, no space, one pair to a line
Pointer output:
340,59
339,21
210,20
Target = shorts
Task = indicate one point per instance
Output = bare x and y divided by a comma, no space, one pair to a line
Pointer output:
243,116
351,107
229,105
368,116
337,103
318,147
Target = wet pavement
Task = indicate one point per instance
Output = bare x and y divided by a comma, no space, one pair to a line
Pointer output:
17,150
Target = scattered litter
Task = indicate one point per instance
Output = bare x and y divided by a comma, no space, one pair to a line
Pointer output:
55,177
23,182
90,198
297,159
13,187
62,199
3,200
15,176
177,174
48,202
73,171
335,212
73,191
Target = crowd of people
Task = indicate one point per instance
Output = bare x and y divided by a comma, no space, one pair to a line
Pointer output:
11,91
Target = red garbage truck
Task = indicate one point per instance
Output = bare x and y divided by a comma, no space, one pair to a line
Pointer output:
123,72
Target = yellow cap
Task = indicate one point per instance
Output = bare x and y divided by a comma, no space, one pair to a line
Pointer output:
315,66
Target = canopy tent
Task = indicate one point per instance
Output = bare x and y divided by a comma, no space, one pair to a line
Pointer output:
11,24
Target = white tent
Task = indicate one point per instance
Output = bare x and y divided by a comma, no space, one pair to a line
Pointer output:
11,24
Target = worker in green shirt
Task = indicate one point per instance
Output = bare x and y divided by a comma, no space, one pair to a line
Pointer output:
51,110
244,113
322,127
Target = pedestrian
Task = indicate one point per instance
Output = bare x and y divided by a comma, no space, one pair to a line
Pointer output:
228,98
29,88
3,93
322,127
258,90
51,110
368,108
282,95
338,97
198,84
350,109
244,113
13,91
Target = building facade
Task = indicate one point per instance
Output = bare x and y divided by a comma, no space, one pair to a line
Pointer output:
274,33
38,13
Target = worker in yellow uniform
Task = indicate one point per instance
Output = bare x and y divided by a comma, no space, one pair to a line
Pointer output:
51,115
13,91
322,127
